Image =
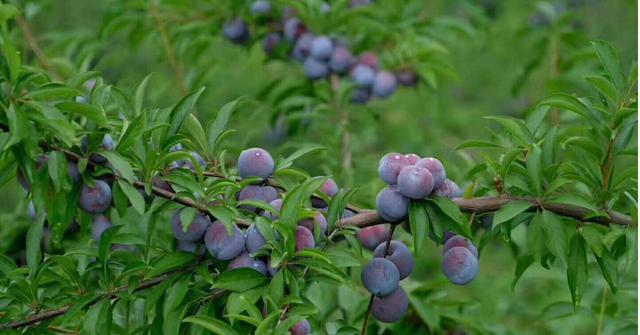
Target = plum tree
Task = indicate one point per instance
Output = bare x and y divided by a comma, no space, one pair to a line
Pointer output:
436,168
304,238
390,166
390,308
391,204
459,241
255,162
244,260
459,265
196,230
399,254
97,199
371,237
222,244
380,276
415,182
99,225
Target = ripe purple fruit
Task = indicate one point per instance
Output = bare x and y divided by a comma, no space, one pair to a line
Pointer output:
371,237
363,76
390,308
412,159
390,166
293,29
31,211
341,60
255,240
277,204
459,265
302,48
399,255
435,167
380,276
196,230
460,241
321,48
72,171
301,328
391,205
315,69
304,238
266,194
100,224
448,189
236,31
319,222
189,164
221,244
255,162
415,182
384,84
329,188
107,145
95,200
246,261
260,7
192,247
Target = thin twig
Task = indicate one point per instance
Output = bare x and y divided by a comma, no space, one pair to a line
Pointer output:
168,48
35,47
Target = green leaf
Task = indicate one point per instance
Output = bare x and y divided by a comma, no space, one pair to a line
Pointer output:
556,238
418,221
308,149
536,237
577,270
570,103
134,196
509,211
296,198
7,11
91,112
181,111
120,164
139,95
240,280
18,126
609,268
193,130
217,127
211,324
593,236
452,211
523,264
534,167
34,236
176,294
53,91
575,200
478,144
168,262
12,56
610,62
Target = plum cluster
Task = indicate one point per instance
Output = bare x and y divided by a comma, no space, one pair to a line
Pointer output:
460,260
382,275
320,55
410,177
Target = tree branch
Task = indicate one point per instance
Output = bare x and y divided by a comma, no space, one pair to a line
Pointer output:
168,48
35,47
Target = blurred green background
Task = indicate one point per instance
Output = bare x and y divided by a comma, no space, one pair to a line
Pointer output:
505,56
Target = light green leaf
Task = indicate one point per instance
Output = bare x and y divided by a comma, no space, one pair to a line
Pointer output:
216,326
134,196
509,211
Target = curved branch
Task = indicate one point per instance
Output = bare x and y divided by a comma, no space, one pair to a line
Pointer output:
491,204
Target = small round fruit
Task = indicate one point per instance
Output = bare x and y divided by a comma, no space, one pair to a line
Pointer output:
301,328
255,162
246,261
380,276
412,159
390,308
221,244
460,241
371,237
304,238
459,265
255,240
95,200
399,254
435,167
415,182
100,224
384,84
236,31
321,48
363,76
318,222
391,205
315,69
196,229
390,166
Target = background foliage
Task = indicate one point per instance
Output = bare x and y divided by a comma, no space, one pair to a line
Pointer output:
478,58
